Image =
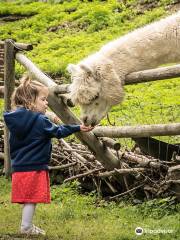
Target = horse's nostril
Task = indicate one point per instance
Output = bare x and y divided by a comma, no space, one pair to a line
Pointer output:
85,120
93,124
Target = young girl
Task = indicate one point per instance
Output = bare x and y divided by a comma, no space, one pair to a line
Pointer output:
30,148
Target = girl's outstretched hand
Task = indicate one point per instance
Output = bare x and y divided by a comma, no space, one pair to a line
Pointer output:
84,128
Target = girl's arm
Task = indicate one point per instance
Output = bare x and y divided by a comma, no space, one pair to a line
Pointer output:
55,119
62,130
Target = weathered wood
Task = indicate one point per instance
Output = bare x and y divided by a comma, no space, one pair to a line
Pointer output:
111,187
76,150
1,156
173,181
61,89
83,174
122,171
23,46
107,158
9,83
174,168
174,172
61,167
111,143
1,91
2,62
142,160
153,74
20,46
35,71
127,192
138,131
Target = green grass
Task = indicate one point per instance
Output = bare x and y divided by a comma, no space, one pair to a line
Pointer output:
75,216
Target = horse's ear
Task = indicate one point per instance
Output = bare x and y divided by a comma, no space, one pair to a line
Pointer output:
88,70
71,68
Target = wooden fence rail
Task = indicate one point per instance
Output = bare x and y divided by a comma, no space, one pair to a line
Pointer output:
161,73
138,131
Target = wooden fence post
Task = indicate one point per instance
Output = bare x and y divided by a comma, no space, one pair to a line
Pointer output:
9,84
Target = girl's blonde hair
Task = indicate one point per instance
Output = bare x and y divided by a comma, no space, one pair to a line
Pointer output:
26,93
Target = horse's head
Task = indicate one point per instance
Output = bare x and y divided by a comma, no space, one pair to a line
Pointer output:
95,89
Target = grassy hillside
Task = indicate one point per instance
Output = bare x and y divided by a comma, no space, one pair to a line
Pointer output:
64,32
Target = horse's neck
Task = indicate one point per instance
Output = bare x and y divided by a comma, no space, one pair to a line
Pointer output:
147,47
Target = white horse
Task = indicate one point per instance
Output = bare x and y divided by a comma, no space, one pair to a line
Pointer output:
97,81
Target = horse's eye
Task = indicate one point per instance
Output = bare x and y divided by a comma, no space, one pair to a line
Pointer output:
93,99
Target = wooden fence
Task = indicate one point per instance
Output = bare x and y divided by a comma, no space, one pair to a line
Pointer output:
58,105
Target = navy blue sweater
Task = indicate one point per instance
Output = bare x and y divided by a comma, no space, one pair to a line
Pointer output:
30,138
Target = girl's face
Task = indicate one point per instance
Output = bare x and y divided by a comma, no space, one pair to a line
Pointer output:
41,103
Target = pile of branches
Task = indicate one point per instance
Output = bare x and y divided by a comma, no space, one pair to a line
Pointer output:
139,176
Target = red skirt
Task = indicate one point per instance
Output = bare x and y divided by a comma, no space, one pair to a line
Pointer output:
31,187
